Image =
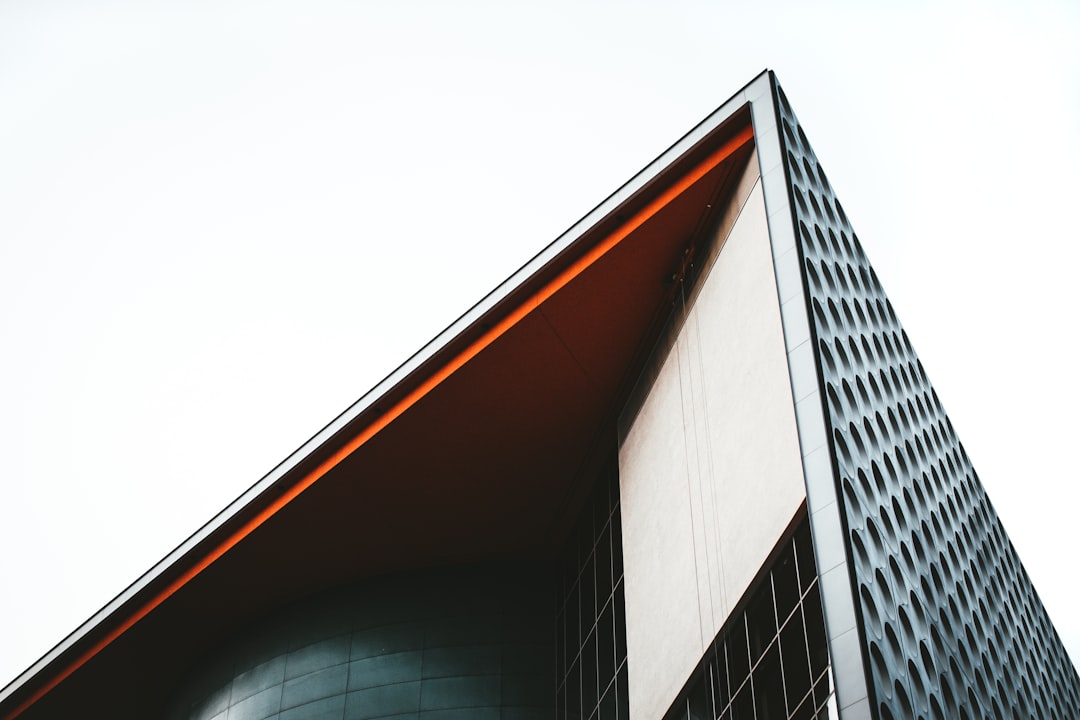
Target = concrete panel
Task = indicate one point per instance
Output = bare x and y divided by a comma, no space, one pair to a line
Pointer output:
755,462
710,470
658,550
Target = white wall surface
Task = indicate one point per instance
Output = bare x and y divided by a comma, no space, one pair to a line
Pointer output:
710,471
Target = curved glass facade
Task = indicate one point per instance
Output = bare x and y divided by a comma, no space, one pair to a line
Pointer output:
455,643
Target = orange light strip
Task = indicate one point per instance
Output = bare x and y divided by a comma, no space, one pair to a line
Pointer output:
429,384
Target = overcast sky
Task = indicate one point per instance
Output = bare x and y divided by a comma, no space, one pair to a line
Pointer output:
222,222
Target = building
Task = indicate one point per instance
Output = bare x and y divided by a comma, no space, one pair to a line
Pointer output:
683,464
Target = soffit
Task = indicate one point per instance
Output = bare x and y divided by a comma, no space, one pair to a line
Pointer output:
485,461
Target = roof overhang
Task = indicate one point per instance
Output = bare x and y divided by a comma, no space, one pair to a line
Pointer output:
475,446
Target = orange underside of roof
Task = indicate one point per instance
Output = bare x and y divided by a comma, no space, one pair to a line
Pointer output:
482,451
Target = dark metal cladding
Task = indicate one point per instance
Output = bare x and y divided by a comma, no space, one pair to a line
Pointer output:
951,625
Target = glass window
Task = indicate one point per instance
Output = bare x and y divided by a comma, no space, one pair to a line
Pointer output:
593,618
770,660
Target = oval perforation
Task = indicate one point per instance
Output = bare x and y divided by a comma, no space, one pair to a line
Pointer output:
928,536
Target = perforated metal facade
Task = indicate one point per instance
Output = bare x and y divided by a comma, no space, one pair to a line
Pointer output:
950,624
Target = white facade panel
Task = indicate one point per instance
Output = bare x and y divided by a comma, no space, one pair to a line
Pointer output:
710,469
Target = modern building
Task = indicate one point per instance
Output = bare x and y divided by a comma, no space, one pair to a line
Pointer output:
683,464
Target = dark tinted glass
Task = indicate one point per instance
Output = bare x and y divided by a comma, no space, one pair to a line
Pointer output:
760,667
769,687
785,584
796,663
593,644
760,621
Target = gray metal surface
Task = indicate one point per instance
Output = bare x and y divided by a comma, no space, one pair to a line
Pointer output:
950,624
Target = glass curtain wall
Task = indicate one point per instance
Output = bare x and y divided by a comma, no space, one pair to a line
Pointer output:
770,660
591,621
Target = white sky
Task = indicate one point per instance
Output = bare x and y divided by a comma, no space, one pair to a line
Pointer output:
222,222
